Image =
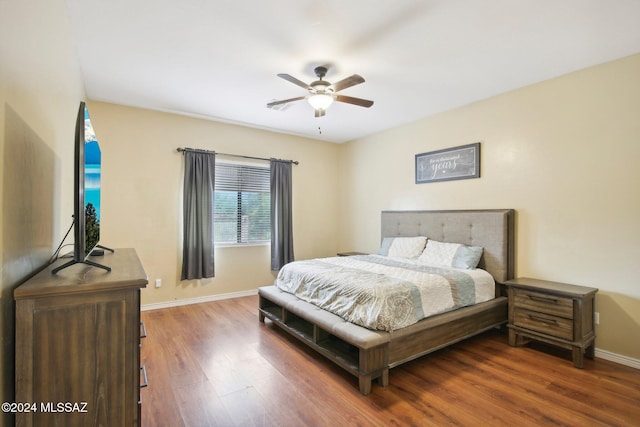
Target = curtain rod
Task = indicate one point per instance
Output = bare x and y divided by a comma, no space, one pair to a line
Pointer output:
182,150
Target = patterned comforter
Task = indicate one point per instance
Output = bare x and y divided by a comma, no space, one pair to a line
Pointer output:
383,293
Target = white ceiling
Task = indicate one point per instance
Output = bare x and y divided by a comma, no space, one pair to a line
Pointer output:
218,59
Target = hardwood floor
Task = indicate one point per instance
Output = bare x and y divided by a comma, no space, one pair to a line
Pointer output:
214,364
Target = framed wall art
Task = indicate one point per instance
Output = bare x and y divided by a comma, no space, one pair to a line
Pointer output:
461,162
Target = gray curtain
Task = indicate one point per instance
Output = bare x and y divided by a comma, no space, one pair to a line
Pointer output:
281,214
199,182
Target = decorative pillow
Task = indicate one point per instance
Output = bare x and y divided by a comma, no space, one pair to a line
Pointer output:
403,247
467,257
451,255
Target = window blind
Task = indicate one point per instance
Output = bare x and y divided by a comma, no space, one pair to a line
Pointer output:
242,204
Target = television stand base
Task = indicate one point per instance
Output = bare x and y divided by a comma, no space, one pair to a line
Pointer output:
73,262
85,261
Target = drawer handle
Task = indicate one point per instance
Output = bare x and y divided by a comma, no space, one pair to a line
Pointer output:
143,330
144,376
544,299
543,320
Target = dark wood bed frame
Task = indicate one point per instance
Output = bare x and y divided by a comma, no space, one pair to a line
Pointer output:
370,354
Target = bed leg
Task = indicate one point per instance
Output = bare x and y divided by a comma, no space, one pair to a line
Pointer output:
383,380
365,384
261,316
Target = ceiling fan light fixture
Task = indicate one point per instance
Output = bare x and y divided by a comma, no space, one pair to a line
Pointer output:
320,101
321,94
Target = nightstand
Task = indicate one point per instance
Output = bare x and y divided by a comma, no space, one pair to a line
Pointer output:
554,313
350,253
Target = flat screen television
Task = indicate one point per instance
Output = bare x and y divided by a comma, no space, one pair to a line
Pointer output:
86,196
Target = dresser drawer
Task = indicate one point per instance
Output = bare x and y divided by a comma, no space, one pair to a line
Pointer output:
544,303
547,324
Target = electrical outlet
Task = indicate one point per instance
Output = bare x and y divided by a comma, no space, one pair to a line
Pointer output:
596,318
158,283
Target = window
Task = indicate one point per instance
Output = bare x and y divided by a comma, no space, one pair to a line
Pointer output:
242,204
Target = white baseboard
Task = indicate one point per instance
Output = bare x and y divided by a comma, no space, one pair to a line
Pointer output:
197,300
617,358
601,354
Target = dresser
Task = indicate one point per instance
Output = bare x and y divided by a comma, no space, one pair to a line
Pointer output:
555,313
78,344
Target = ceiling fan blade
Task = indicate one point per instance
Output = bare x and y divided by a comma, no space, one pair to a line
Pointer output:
348,82
293,80
355,101
284,101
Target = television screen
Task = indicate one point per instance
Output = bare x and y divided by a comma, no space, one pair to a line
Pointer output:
86,198
92,165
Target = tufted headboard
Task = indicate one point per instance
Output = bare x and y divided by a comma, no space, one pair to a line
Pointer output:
493,229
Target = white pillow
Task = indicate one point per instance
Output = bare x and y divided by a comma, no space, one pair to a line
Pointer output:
403,247
451,255
439,253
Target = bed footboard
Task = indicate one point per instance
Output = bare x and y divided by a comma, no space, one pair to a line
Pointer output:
360,351
370,354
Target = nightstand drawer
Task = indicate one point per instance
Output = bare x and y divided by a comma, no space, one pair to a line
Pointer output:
544,323
552,312
544,303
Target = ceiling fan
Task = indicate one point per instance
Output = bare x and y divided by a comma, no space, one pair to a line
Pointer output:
322,93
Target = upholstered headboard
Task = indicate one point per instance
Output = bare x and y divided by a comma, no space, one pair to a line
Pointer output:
493,229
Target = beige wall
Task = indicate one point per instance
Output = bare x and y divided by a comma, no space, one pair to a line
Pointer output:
40,90
562,153
142,190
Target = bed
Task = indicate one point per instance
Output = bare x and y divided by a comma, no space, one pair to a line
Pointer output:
369,353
